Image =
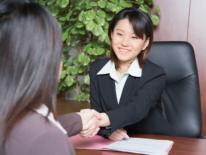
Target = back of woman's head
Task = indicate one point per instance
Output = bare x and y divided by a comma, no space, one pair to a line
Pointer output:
30,45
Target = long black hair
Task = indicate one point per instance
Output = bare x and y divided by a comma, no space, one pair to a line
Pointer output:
30,53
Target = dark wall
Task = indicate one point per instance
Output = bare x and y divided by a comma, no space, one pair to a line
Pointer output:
185,20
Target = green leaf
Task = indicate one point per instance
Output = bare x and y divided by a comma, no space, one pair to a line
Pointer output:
101,14
63,74
83,97
81,16
157,10
99,51
145,8
83,59
65,35
101,3
79,25
63,3
155,20
98,30
112,7
90,26
69,81
149,2
103,37
94,50
90,15
72,70
90,4
86,79
125,4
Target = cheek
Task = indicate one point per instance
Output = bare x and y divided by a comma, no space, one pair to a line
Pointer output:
138,45
114,43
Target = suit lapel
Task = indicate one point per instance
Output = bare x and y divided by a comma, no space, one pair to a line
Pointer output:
129,89
107,89
134,83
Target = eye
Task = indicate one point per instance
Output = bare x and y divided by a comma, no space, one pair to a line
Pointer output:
134,37
119,34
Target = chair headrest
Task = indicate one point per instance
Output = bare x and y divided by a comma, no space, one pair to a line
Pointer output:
175,57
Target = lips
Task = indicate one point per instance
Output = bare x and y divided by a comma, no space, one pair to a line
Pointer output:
124,50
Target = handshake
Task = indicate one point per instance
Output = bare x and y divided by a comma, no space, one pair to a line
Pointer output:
92,121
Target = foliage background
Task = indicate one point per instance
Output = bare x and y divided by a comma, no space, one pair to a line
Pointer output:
84,26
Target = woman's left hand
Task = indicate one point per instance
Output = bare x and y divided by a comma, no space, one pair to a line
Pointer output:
119,134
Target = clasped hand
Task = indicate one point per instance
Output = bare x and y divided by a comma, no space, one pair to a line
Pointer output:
92,121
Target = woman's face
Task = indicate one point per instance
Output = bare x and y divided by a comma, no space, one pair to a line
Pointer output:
125,43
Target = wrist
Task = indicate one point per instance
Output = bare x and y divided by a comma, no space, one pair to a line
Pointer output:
104,120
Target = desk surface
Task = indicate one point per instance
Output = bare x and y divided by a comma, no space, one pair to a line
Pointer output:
182,145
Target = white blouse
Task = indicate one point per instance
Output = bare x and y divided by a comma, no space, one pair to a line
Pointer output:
133,70
43,110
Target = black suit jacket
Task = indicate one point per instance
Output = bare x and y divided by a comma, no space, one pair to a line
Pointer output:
140,95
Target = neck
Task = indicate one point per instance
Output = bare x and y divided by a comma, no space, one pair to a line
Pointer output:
124,66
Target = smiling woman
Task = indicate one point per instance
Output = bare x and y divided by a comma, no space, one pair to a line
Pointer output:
126,44
127,87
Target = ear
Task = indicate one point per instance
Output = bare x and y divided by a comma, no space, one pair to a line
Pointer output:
146,43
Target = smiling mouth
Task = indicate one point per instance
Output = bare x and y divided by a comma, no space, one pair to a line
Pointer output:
123,50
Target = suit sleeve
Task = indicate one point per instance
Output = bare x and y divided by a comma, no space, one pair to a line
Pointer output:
140,104
72,123
95,99
51,142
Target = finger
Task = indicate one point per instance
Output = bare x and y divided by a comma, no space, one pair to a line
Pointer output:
97,114
119,134
91,124
115,136
125,136
92,133
89,133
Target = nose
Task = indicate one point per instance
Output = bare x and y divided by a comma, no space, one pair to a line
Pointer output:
125,41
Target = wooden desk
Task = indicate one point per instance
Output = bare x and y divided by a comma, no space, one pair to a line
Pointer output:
182,146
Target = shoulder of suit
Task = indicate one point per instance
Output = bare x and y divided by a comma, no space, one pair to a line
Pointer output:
32,127
152,68
98,64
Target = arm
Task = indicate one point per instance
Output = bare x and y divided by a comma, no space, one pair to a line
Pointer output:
84,122
72,123
139,105
94,90
95,101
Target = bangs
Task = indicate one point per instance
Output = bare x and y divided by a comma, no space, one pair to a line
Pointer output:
138,25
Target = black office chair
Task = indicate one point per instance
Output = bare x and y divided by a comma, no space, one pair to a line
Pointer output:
179,108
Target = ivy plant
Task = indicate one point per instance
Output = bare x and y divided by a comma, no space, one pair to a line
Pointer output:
84,26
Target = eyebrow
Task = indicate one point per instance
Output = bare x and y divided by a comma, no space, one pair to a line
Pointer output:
119,29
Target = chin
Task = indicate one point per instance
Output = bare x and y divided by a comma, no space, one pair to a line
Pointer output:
124,59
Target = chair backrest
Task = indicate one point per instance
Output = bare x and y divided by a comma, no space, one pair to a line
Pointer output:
181,97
